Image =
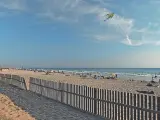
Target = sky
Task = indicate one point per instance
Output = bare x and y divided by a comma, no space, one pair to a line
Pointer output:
73,33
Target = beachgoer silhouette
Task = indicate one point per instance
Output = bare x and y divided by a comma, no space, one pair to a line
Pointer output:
116,75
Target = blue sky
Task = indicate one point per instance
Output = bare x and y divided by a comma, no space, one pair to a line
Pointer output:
72,33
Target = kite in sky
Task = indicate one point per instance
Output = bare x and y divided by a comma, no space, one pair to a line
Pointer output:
109,16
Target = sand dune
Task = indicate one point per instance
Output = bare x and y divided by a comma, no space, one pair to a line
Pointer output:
9,111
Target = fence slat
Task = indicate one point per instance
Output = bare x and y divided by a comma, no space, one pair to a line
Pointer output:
67,93
103,103
131,109
108,104
87,104
86,91
113,105
145,106
83,101
105,107
149,107
74,97
154,107
135,104
69,96
98,102
138,105
125,108
128,114
92,100
88,99
95,101
90,95
122,106
142,100
63,94
79,98
119,111
71,102
115,117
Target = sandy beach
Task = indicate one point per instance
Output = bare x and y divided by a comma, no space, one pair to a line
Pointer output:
119,85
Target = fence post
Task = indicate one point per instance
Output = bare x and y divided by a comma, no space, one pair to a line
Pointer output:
20,80
95,101
61,88
41,86
158,108
10,82
25,85
59,91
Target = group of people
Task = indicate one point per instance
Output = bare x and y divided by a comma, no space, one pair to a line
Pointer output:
113,76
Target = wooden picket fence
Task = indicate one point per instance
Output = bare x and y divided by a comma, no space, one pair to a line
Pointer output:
113,105
14,80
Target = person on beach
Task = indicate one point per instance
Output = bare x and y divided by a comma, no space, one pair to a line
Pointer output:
116,75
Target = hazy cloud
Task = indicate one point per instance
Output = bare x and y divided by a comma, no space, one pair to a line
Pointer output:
13,4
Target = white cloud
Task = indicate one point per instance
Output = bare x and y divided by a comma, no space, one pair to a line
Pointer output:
104,37
84,11
154,1
13,4
130,42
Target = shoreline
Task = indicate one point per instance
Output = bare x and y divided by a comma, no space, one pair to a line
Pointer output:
123,75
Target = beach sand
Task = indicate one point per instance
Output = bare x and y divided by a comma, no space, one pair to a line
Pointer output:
9,111
111,84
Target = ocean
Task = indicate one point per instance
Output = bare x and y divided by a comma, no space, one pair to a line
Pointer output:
123,73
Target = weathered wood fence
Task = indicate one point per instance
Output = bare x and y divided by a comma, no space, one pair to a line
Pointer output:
110,104
13,80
